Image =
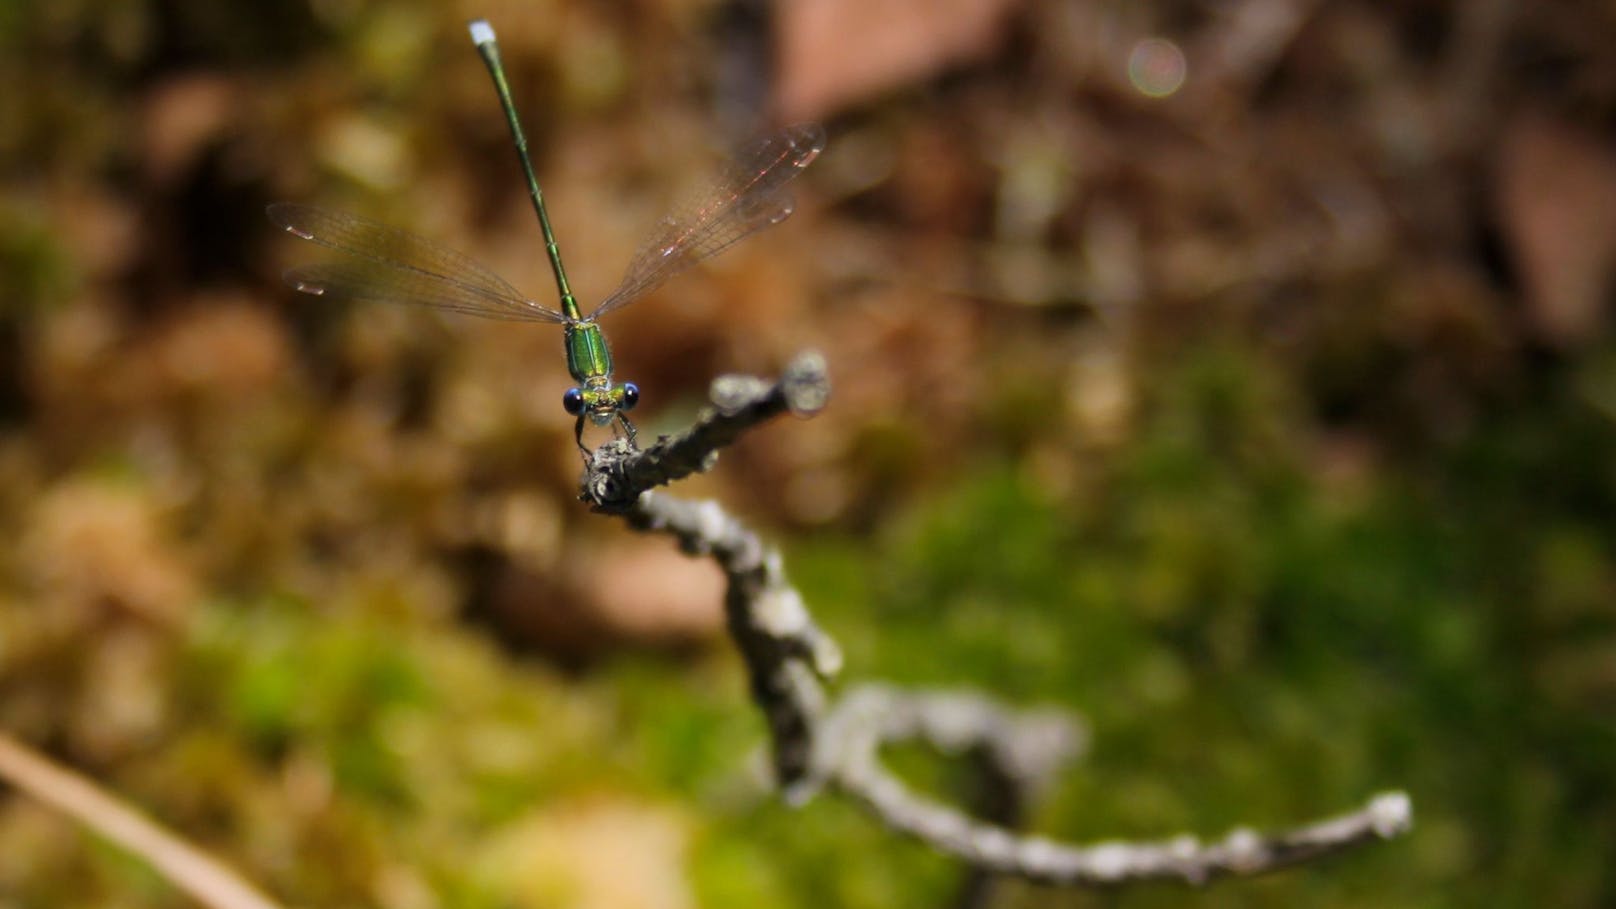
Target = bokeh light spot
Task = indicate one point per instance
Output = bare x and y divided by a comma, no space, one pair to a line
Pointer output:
1156,67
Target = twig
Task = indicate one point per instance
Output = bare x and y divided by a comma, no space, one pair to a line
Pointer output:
617,474
786,654
1029,747
185,866
819,745
852,735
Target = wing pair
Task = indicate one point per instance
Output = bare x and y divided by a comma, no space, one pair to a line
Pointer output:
391,265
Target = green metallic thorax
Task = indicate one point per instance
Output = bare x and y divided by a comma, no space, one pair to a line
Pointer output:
588,357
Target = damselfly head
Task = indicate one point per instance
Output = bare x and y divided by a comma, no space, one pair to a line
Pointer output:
601,403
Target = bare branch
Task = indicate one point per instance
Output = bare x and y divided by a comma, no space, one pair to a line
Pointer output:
1034,745
185,866
819,745
853,734
786,654
1029,747
617,473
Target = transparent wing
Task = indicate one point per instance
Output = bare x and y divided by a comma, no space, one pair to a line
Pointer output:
395,266
749,195
384,283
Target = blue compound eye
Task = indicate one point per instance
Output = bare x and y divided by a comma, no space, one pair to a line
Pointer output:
631,395
573,401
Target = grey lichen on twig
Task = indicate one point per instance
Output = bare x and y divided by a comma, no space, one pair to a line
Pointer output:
824,744
617,473
1027,748
787,656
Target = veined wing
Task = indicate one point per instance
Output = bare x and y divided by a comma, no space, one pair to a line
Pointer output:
395,266
749,195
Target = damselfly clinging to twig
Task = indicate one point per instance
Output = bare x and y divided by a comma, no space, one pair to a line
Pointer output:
392,265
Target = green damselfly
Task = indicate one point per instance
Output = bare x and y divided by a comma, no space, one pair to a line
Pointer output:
391,265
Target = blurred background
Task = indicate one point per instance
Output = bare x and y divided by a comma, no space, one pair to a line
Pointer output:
1238,374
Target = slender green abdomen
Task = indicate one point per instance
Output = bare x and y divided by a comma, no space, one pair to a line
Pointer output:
588,356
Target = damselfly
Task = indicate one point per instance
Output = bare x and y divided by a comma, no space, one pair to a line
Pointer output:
390,265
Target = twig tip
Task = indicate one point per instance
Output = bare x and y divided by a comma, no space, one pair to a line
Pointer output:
1391,814
806,384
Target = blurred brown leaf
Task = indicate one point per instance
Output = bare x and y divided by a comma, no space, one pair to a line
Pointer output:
1556,190
837,52
182,116
636,592
645,590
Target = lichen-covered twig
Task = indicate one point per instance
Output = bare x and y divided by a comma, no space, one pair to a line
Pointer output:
786,654
851,735
818,744
617,473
